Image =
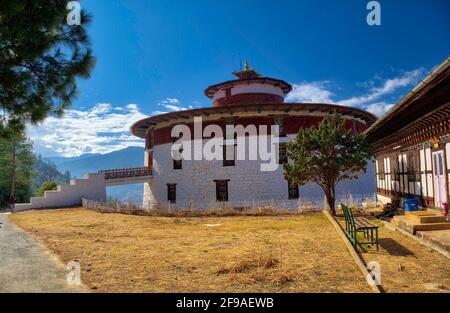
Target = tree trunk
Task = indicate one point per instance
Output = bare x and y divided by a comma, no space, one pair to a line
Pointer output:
330,193
12,197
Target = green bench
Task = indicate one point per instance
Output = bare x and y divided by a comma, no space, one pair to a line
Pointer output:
355,225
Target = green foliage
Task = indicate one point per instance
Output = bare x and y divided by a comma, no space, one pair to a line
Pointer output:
41,57
24,168
327,155
31,171
46,186
46,171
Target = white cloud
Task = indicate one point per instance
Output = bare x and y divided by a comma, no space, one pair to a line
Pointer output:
101,129
132,107
171,100
373,101
101,108
389,86
171,105
378,108
316,92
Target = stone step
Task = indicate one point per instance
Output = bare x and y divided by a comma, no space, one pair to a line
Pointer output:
423,217
432,226
412,226
413,214
439,238
432,219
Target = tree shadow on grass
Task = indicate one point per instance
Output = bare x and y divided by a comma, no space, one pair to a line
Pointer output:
394,248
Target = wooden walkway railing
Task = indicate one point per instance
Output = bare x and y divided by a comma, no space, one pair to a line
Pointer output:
126,172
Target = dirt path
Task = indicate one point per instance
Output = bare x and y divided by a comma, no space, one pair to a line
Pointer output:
25,266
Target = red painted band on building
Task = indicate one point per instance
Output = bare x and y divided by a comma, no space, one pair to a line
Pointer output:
292,125
247,98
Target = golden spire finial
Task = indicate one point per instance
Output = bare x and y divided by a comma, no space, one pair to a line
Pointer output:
247,72
246,67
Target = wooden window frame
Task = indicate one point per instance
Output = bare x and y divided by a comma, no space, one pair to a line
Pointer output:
219,196
225,162
395,168
413,168
381,172
172,193
178,164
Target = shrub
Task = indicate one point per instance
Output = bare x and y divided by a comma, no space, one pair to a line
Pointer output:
46,186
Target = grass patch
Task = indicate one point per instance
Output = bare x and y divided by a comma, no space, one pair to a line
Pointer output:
406,265
128,253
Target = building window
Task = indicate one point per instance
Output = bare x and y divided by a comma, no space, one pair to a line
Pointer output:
172,193
282,156
279,121
413,167
292,190
178,164
381,169
229,149
229,155
395,168
221,190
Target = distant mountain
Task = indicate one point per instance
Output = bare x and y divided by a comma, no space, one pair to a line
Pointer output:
91,163
60,159
46,171
126,193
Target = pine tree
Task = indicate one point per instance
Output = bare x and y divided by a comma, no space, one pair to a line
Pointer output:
16,168
327,155
41,56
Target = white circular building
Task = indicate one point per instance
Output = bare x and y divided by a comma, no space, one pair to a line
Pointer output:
251,100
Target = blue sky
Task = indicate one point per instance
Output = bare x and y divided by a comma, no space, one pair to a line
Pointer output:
159,56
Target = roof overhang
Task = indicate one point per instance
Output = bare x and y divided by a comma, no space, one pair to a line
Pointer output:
140,128
431,93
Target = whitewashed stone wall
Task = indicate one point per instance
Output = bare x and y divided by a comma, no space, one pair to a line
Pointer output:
91,187
196,180
250,88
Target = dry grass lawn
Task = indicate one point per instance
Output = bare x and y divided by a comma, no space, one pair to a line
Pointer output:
126,253
407,265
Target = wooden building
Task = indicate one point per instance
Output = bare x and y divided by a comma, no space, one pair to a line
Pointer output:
412,143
